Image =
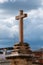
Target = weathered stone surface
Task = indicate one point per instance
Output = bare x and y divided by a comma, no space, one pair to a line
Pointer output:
20,61
21,55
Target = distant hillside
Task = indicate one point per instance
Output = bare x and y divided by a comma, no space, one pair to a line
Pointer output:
39,50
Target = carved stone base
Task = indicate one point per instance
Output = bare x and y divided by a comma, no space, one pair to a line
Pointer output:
21,55
21,62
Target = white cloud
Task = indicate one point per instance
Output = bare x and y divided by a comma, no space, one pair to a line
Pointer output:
8,27
1,11
2,1
36,13
21,0
12,1
42,2
10,20
34,26
6,32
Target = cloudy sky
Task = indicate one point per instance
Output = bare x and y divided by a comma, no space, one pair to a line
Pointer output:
33,24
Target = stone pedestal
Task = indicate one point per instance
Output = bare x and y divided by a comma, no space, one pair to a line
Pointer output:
20,61
21,55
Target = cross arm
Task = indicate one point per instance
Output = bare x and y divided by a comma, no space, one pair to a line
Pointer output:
24,15
21,16
17,17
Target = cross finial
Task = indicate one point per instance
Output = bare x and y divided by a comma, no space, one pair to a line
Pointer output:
20,18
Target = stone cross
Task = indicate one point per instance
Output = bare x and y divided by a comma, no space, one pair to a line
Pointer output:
20,18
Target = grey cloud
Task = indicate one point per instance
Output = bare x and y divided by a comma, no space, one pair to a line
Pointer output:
31,33
11,8
27,5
